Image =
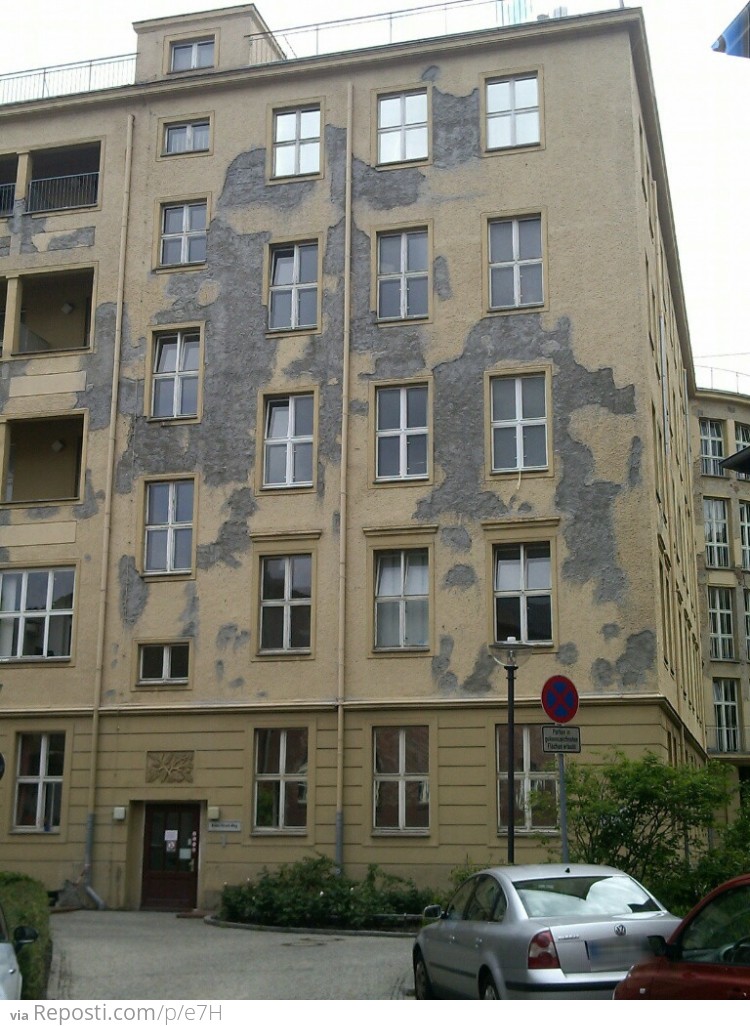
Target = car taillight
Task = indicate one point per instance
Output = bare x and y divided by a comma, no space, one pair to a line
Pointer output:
542,952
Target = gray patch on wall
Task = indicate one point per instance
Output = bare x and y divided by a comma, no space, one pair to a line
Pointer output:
455,128
189,615
133,591
384,190
636,455
479,681
42,512
441,278
4,245
633,666
456,538
444,678
568,654
73,240
461,576
234,533
610,631
89,504
231,634
245,185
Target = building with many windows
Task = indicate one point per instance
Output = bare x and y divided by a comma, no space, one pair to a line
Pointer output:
319,375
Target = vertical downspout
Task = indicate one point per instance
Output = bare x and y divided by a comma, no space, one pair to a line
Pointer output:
343,493
107,528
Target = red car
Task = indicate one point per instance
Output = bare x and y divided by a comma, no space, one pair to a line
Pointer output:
708,955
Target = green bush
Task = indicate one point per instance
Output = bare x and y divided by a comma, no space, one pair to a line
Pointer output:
26,903
313,893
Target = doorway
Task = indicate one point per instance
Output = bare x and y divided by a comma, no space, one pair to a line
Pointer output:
170,856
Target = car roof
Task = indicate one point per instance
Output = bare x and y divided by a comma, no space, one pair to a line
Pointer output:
542,871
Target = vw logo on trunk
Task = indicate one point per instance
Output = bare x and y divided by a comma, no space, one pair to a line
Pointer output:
620,930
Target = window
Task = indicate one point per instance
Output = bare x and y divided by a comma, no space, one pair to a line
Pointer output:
401,798
401,599
169,527
747,623
402,127
286,603
726,714
403,279
188,55
720,621
742,441
187,137
519,423
535,778
512,112
715,527
523,592
281,779
401,432
183,234
745,533
712,447
296,142
288,446
176,369
163,664
36,613
515,252
293,300
39,781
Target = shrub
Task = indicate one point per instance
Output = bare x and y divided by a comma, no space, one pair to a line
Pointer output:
26,903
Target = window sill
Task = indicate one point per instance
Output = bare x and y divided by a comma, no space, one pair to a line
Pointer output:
164,421
423,650
389,322
298,486
397,832
413,479
278,832
165,155
395,165
167,575
161,685
498,151
303,176
169,268
284,653
34,660
308,329
494,311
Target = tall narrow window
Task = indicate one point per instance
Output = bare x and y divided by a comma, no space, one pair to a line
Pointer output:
742,441
401,799
712,447
174,390
720,623
523,592
281,779
515,256
183,234
293,300
402,127
39,781
745,533
726,714
519,423
536,798
403,276
191,54
296,142
401,433
512,112
36,613
288,442
169,527
717,537
401,599
286,603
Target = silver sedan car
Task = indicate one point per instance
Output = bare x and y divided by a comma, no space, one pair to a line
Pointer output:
543,931
10,976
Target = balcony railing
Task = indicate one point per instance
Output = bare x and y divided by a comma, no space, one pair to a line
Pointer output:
728,740
63,193
7,198
66,79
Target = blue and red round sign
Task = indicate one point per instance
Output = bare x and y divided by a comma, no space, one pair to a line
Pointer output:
560,699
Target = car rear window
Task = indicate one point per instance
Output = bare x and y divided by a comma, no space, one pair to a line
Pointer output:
584,896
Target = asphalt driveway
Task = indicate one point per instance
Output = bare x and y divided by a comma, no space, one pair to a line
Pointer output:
156,955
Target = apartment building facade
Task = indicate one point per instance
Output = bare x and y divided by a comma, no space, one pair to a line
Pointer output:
320,375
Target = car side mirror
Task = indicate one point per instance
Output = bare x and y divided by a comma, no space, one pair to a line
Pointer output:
433,912
23,935
660,947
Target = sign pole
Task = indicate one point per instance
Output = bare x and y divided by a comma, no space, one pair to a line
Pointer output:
563,808
560,702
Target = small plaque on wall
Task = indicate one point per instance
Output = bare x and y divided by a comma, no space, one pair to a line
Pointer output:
225,826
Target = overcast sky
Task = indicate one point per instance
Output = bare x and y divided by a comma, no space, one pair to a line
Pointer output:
703,100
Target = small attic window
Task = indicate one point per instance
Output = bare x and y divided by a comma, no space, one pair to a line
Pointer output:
191,54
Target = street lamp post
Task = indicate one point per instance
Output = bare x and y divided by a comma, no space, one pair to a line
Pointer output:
508,652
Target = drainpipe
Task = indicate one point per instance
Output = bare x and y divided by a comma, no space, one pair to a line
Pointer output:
343,494
107,527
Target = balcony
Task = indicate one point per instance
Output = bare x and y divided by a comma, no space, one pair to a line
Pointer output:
728,740
54,314
8,167
64,179
44,460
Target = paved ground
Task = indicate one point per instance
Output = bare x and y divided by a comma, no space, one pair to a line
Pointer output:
154,956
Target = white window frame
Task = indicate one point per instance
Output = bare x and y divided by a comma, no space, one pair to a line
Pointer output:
167,676
287,603
404,276
186,235
282,777
741,441
513,112
172,527
405,433
745,533
403,128
13,619
403,598
197,49
294,288
527,781
523,593
291,442
716,530
189,128
519,423
404,778
298,142
185,340
49,786
712,447
721,622
726,714
517,263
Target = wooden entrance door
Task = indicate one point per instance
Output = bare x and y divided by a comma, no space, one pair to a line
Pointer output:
170,856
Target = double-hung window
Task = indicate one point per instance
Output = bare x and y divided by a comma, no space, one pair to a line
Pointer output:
523,592
281,779
742,441
39,780
286,603
187,136
296,142
183,233
745,533
535,775
716,532
402,127
191,54
401,794
401,432
403,275
720,618
293,299
515,263
176,370
164,664
512,112
712,447
519,423
169,527
36,613
726,714
288,443
402,599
